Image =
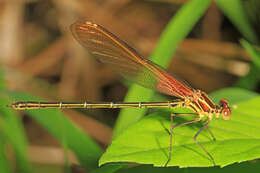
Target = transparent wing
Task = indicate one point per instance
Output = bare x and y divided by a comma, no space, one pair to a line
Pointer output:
123,59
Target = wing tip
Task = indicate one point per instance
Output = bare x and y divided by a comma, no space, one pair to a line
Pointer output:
81,25
90,23
84,22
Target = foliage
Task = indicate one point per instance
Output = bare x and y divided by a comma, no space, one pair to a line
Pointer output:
147,141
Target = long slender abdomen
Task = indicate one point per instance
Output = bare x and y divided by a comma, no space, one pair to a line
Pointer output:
88,105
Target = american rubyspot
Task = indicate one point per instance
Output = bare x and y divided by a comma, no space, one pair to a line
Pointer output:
123,59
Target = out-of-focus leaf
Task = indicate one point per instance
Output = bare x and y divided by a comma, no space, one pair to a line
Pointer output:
2,82
255,55
5,167
86,150
235,11
12,129
249,81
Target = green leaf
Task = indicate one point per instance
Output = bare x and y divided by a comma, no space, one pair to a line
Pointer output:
250,81
5,167
147,141
177,29
238,95
64,144
2,82
237,168
109,168
13,131
86,150
255,55
235,11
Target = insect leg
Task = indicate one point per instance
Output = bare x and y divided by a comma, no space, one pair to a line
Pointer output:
174,126
211,134
205,126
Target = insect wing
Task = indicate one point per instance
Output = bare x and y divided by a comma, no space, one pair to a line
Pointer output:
123,59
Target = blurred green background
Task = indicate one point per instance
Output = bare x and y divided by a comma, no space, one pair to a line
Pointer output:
211,44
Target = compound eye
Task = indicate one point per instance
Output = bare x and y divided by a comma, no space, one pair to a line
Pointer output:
226,114
224,104
225,109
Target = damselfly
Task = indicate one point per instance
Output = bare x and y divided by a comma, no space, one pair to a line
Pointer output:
110,50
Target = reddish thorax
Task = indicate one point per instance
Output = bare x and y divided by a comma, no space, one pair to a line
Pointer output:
173,87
